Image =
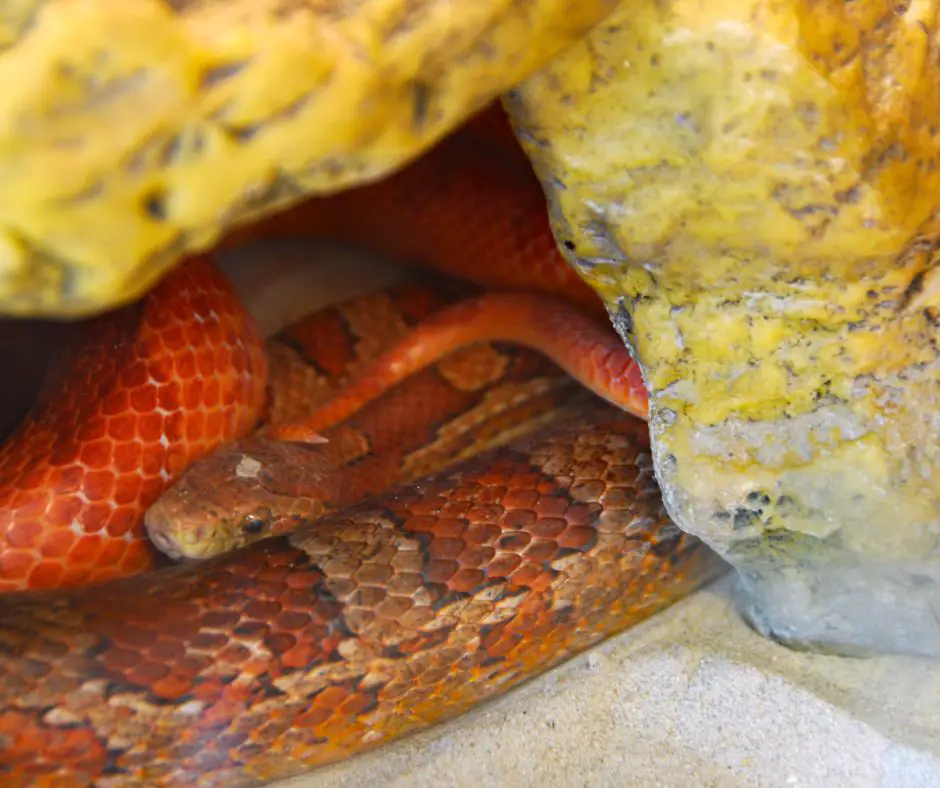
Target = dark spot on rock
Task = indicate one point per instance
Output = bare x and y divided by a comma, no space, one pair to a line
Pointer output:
155,205
420,101
221,73
742,519
913,289
849,196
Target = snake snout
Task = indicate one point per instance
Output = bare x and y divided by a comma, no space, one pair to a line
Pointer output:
159,526
181,533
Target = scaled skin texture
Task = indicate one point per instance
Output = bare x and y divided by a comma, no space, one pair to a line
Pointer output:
136,132
751,186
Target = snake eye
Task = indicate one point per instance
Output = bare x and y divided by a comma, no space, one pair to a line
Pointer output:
255,522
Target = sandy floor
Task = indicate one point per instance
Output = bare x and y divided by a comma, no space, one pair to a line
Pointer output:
693,697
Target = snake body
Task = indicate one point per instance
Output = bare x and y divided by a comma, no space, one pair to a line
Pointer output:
136,397
470,400
391,616
405,609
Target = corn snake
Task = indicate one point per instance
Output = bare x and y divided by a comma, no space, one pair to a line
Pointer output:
401,611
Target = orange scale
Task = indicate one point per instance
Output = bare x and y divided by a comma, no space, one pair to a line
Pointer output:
31,502
578,537
312,718
231,393
95,517
330,698
92,429
524,481
64,509
211,393
430,505
171,687
174,425
126,460
127,489
17,564
495,477
151,488
96,455
552,506
115,402
24,533
99,485
161,368
47,574
549,527
214,425
475,556
122,427
58,542
300,656
169,395
582,513
152,459
122,520
135,374
199,303
112,551
150,427
518,519
467,581
158,317
450,527
484,513
223,360
177,458
445,548
173,338
33,479
239,359
37,477
195,425
420,524
547,487
441,571
144,398
168,650
138,557
195,335
521,499
541,551
215,331
149,345
527,574
67,480
205,361
482,533
185,364
192,394
86,550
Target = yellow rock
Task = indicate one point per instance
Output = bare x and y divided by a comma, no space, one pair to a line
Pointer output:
752,185
136,131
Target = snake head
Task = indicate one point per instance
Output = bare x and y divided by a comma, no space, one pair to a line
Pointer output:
248,491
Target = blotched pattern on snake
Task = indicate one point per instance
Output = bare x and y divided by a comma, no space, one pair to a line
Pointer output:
395,609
